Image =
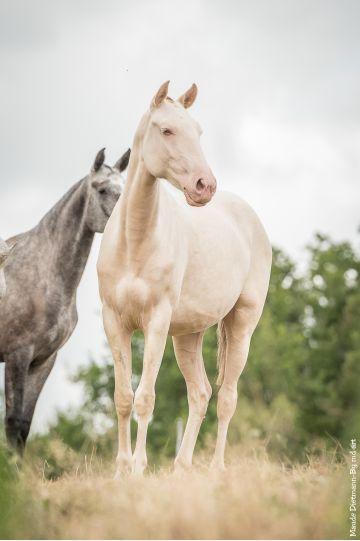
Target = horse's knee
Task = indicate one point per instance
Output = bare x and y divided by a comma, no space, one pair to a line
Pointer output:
144,403
13,422
13,432
25,429
124,402
227,400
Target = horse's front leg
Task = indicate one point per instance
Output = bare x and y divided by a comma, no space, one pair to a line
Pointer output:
16,372
155,339
119,339
36,378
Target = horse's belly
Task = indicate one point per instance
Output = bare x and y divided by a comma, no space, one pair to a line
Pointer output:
214,278
203,305
188,319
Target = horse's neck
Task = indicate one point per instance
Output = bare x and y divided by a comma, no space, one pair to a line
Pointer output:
70,237
139,208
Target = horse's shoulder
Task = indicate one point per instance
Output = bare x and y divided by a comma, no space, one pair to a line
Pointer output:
233,205
242,214
230,199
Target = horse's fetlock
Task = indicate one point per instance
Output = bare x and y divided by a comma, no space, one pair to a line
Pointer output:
139,462
182,464
123,462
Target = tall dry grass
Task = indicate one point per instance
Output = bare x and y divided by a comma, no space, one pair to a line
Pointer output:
254,499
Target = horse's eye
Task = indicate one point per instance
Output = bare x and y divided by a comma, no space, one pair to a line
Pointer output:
102,190
166,131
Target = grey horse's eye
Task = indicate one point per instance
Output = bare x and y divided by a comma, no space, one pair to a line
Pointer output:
102,190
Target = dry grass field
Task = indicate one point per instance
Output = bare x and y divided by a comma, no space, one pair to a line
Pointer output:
255,498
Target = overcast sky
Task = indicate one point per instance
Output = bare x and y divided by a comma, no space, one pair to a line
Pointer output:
279,103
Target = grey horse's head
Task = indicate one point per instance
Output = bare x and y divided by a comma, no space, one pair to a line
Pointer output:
105,185
4,254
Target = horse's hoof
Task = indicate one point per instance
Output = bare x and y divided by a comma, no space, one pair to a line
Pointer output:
217,466
123,467
138,467
121,474
180,466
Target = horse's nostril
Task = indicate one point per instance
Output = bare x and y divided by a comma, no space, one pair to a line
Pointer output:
200,186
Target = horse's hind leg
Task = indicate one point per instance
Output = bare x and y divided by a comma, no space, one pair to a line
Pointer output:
188,352
37,375
239,325
16,371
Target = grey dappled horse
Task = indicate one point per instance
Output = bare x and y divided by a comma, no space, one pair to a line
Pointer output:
38,313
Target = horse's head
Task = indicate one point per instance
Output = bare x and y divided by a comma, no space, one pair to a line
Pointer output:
171,147
105,185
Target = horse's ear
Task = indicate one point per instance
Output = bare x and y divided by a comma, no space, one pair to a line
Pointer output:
99,160
189,97
160,95
122,162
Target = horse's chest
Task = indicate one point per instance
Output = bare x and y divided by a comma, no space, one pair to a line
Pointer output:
136,294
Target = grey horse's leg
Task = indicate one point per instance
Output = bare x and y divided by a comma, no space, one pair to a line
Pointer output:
37,375
16,371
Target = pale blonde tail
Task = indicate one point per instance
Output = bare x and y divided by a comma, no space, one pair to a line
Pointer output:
221,356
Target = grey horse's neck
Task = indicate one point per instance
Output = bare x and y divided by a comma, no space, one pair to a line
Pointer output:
71,239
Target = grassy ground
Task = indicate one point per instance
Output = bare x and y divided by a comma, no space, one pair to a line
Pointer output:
255,498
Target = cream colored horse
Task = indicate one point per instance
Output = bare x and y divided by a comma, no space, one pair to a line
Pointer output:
167,267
